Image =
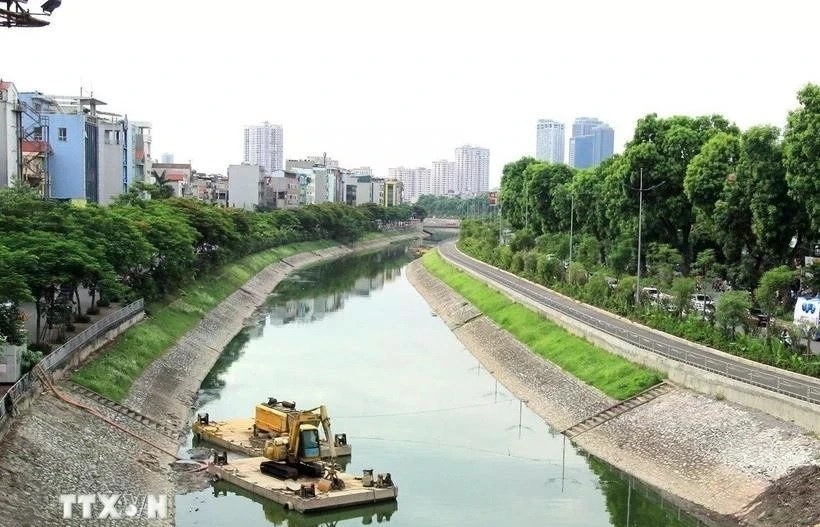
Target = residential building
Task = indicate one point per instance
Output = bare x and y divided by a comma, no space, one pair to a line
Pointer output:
90,155
325,184
280,190
591,143
244,183
358,189
209,188
443,178
392,194
472,167
264,146
178,176
362,171
323,161
415,181
10,155
549,142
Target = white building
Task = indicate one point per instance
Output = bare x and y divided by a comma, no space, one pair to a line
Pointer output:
362,171
472,169
443,178
9,140
243,186
415,181
549,143
323,160
264,146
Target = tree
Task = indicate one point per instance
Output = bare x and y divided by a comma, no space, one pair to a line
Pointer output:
732,310
801,152
663,149
773,289
682,289
513,191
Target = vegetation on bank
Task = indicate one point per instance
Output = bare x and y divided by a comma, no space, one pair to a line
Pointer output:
720,201
731,329
723,207
135,247
455,207
612,374
168,320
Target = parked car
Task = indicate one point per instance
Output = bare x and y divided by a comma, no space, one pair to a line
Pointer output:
758,318
702,302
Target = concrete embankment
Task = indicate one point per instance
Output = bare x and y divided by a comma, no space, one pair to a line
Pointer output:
56,448
714,456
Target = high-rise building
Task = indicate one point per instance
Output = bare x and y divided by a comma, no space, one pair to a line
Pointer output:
443,178
167,158
549,142
472,169
591,143
263,146
415,181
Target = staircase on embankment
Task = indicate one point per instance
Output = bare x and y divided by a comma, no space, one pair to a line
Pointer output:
615,410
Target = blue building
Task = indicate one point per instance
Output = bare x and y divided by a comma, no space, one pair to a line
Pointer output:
592,142
94,155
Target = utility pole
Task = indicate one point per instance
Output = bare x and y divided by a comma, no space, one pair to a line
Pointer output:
641,190
571,217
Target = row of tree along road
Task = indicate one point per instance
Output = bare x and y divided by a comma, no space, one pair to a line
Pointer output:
726,206
141,248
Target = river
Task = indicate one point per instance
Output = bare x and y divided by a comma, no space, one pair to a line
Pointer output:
355,335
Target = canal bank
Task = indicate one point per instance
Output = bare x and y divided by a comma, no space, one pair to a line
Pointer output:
357,336
714,455
57,448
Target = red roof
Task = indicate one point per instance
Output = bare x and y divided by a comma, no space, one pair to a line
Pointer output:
174,176
36,146
4,85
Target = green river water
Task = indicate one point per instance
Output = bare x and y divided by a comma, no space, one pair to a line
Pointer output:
355,335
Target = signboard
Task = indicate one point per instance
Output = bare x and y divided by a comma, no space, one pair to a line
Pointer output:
493,198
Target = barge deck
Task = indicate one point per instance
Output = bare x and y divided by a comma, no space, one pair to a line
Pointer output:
246,474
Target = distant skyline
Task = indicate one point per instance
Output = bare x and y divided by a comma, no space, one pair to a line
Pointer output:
408,81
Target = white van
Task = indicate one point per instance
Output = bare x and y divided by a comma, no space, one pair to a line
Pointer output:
807,311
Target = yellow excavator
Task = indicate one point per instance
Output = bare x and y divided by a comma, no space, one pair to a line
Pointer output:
294,447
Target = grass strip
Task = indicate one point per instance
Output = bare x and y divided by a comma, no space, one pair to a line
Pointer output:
113,373
612,374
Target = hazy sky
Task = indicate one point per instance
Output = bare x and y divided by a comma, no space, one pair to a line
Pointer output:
384,83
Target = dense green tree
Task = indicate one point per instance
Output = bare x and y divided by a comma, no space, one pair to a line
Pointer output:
732,310
802,155
662,149
773,289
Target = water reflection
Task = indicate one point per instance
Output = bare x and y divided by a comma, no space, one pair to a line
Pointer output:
414,402
275,514
315,292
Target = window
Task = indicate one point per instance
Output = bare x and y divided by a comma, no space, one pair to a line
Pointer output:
38,133
112,137
62,134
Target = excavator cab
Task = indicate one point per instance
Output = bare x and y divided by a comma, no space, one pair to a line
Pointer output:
309,442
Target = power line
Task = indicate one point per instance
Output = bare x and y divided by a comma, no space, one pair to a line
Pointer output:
418,412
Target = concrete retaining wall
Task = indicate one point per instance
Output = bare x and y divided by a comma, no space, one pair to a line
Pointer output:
802,413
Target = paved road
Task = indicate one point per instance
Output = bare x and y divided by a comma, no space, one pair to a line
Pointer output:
800,387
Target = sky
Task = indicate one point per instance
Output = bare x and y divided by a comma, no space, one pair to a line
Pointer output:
383,84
